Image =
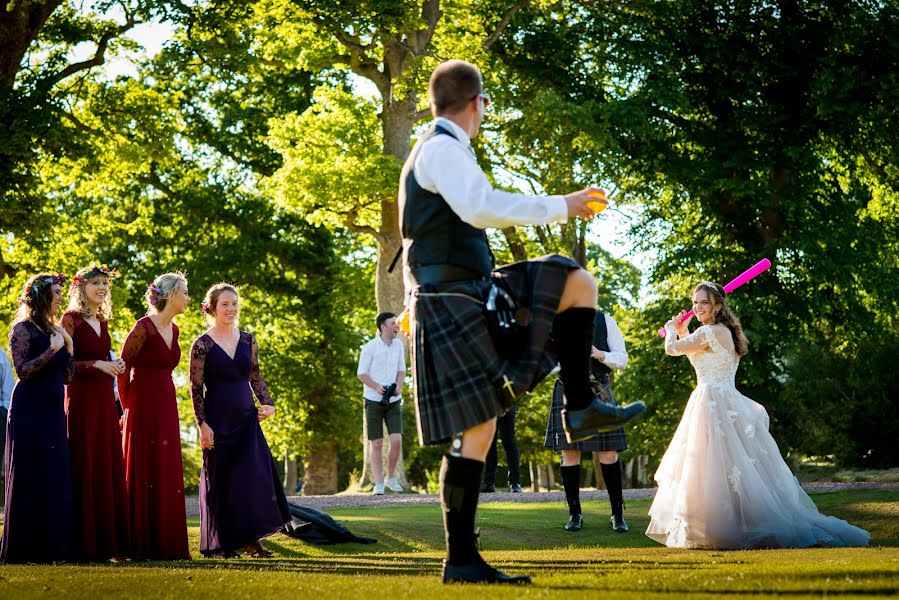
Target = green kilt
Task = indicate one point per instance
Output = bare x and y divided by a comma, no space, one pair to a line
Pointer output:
460,377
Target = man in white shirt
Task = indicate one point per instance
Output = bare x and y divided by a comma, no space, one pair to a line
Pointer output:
608,354
483,337
382,368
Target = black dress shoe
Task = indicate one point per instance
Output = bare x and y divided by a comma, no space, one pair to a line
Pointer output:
488,488
515,488
618,524
479,572
597,418
575,522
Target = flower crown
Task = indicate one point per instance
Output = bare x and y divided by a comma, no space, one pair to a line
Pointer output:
88,273
34,286
155,293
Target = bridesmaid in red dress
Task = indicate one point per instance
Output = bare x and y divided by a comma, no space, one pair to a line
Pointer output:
98,472
151,432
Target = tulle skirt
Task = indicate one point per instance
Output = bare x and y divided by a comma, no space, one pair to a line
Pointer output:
723,484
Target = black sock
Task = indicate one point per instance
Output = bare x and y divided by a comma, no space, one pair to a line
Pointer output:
460,486
571,481
573,334
611,474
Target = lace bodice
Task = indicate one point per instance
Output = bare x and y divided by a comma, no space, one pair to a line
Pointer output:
714,364
244,366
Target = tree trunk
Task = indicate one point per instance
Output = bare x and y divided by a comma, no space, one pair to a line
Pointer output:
320,465
397,120
20,22
290,475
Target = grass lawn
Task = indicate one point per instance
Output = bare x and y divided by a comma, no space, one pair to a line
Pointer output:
522,538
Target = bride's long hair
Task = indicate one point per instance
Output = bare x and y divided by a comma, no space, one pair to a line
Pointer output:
725,316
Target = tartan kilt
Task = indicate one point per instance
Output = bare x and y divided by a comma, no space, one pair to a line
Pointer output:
555,434
460,378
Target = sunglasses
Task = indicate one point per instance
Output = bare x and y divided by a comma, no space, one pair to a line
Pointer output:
484,97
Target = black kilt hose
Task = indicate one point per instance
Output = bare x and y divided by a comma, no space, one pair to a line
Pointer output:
601,442
460,378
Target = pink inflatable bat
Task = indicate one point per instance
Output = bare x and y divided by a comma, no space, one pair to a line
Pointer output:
747,275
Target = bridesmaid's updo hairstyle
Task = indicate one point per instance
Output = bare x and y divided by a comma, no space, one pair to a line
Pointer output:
725,316
211,301
37,298
161,290
78,297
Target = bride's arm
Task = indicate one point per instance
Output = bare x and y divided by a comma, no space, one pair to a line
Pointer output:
695,342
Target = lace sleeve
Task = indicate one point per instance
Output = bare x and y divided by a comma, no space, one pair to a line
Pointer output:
134,343
256,381
198,352
70,322
693,343
19,345
70,368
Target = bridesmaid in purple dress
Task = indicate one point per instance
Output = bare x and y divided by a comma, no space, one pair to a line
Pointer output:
38,521
241,497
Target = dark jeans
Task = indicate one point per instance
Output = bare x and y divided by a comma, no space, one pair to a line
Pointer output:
505,429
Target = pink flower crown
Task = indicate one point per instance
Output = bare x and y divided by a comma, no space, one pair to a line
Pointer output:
34,286
155,294
88,272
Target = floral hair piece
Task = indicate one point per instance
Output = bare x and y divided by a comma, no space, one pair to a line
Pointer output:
204,306
59,279
155,293
89,272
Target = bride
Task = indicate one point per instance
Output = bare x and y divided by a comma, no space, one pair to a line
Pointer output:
722,481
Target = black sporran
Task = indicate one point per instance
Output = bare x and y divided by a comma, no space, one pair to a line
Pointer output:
507,322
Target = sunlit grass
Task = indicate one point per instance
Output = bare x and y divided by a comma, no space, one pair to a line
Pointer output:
526,538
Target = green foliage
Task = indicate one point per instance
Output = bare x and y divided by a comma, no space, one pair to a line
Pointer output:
732,128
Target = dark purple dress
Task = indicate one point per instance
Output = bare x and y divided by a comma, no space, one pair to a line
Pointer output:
241,497
38,521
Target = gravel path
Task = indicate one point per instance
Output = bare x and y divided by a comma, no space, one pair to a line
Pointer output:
364,500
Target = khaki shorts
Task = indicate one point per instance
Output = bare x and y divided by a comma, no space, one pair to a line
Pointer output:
375,415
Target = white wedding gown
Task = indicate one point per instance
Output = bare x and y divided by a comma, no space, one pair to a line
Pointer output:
722,481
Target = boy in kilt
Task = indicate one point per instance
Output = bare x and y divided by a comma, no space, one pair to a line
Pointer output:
608,353
481,337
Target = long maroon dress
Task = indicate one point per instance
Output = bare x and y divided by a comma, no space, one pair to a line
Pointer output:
95,447
151,439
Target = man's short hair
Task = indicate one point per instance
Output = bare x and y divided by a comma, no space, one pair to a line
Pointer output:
382,318
453,85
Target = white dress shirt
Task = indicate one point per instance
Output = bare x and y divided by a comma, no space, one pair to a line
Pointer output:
447,166
616,355
7,381
382,363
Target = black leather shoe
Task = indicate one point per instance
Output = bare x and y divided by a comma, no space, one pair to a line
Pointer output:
575,522
618,524
488,488
479,572
596,418
515,488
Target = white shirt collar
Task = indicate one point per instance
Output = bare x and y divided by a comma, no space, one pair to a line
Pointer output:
381,340
458,131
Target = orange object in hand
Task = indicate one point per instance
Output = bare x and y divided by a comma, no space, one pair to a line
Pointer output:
403,322
599,205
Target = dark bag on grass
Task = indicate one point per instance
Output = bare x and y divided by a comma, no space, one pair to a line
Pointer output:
317,528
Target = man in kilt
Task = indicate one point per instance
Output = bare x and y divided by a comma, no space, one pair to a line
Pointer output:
481,337
608,353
